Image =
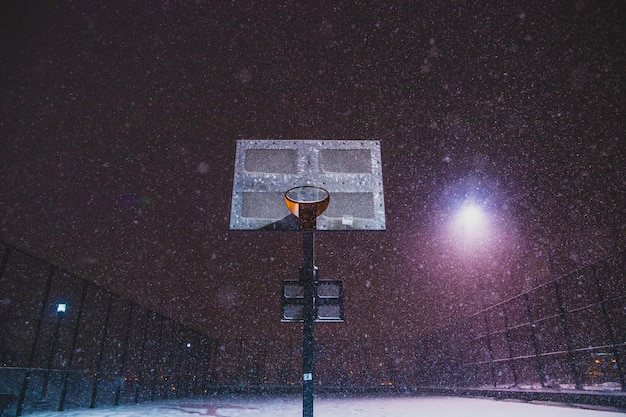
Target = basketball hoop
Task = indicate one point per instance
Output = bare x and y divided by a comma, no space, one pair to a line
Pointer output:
307,202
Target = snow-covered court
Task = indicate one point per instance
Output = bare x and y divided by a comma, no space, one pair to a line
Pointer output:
291,406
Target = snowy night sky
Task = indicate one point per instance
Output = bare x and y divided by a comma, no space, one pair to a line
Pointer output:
119,121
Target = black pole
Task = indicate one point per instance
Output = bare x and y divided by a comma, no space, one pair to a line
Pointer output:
31,359
568,335
309,278
142,351
307,207
483,303
509,343
535,341
121,379
51,352
103,338
160,344
609,328
5,261
70,359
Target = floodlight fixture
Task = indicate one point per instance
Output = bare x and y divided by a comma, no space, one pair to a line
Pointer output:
61,308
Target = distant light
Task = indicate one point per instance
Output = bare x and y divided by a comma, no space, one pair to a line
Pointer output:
188,345
471,220
471,227
61,308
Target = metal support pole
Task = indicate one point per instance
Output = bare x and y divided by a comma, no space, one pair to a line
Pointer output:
50,359
142,352
309,280
103,339
535,341
4,261
509,343
161,345
122,373
609,328
70,359
568,335
492,364
483,303
31,359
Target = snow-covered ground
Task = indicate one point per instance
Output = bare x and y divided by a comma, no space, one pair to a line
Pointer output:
336,407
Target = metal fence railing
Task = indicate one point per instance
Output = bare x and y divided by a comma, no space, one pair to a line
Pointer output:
65,342
568,334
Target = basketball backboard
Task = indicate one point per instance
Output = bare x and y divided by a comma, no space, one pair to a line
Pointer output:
351,171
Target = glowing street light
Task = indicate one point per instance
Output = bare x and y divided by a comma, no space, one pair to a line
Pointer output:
471,227
471,219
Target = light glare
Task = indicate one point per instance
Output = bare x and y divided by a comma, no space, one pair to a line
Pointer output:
471,220
471,226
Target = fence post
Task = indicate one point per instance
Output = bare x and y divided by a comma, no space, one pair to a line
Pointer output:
51,352
71,356
533,333
142,351
31,359
568,334
509,343
492,364
122,378
5,261
610,332
207,353
161,352
98,377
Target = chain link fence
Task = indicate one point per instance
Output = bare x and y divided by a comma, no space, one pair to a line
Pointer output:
65,343
569,334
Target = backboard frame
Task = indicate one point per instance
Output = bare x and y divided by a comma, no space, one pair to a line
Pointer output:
351,170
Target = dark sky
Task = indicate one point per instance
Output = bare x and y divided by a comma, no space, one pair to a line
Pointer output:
119,120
